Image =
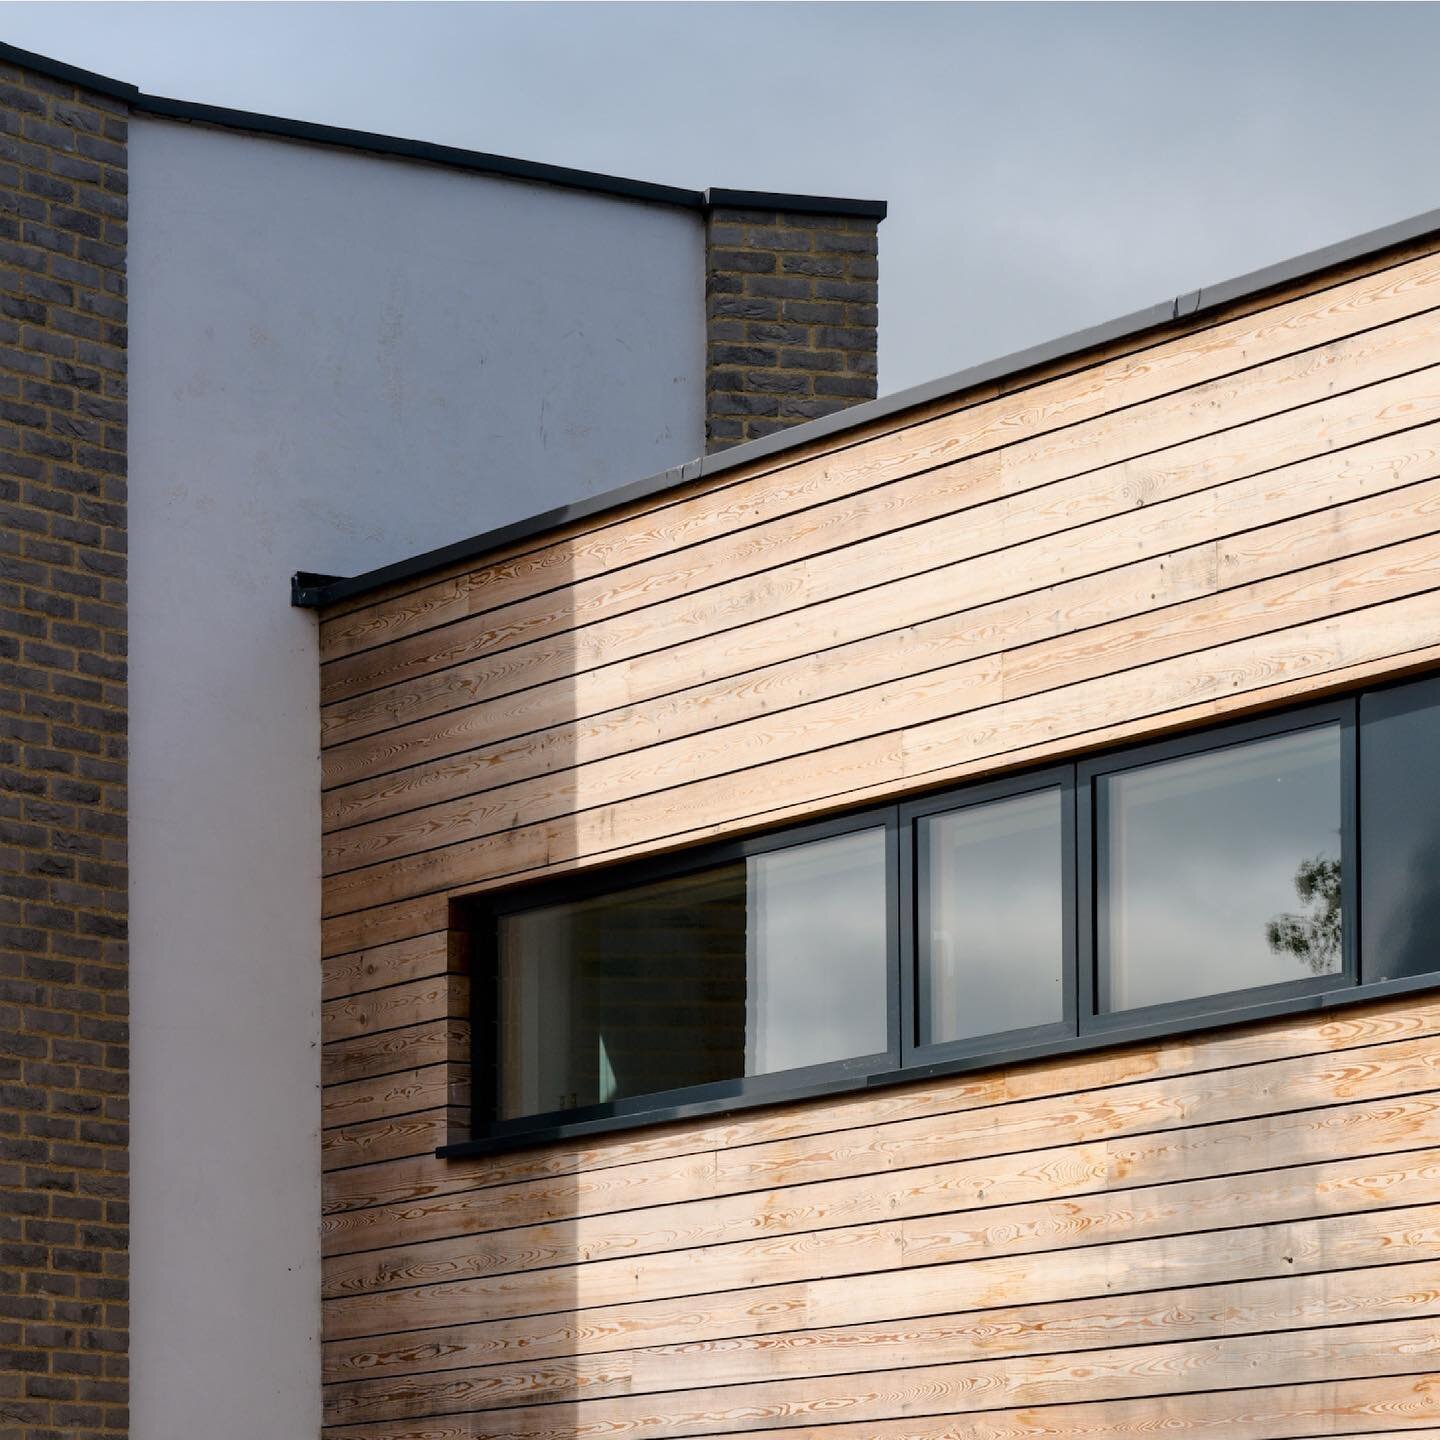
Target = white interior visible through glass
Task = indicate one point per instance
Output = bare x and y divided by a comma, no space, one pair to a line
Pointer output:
770,963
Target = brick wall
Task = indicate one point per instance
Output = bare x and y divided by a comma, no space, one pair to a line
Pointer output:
791,312
63,1029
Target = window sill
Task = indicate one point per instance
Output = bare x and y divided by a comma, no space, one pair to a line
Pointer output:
851,1083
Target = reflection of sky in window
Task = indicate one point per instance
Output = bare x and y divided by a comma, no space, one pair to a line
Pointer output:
1201,853
817,940
994,928
1400,830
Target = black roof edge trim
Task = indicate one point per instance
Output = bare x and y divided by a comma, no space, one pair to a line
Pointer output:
476,161
1184,306
503,535
305,583
395,147
71,74
716,199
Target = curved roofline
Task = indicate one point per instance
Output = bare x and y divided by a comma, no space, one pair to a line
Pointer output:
316,591
396,147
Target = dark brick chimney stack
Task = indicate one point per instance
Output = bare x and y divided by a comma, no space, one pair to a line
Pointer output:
791,310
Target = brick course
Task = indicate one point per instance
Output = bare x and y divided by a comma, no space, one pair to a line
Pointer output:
791,313
64,1067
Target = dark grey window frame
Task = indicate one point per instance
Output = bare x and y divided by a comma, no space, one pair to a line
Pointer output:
905,1060
1090,815
482,919
914,900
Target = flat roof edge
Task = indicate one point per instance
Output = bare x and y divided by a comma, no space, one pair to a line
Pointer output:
315,595
71,74
716,199
456,157
396,147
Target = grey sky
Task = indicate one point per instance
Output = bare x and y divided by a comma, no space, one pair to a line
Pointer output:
1046,166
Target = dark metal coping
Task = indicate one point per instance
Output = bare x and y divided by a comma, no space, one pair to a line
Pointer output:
476,161
315,591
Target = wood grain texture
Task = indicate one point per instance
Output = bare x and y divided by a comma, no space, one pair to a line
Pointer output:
1090,1212
411,1002
430,1043
1090,1168
1404,565
1242,1413
412,959
731,511
990,739
633,1169
1011,384
786,1339
1169,557
1137,438
1231,1235
573,1325
1401,1347
1251,1308
1301,438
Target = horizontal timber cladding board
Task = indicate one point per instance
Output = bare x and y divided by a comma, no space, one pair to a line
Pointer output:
1323,511
870,561
855,595
1340,1187
1405,564
1403,1068
984,739
933,524
390,920
370,1141
1086,1196
1214,590
382,965
1234,1234
1013,480
410,1386
406,1048
399,923
631,1170
1317,1411
398,1094
1393,1347
621,556
575,1326
1373,1127
540,554
407,1003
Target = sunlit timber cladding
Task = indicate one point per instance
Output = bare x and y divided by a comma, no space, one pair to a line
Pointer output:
1218,1229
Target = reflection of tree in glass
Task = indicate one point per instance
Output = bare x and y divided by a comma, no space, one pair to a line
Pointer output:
1313,937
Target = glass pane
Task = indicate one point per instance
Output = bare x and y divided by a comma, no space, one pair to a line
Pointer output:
992,929
1400,831
1220,871
763,965
817,972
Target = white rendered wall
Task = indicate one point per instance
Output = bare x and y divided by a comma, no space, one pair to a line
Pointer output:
336,361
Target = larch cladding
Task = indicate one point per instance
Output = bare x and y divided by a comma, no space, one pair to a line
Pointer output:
1233,1234
64,1061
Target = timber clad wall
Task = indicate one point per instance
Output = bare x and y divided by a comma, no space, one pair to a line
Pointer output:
1239,512
64,1058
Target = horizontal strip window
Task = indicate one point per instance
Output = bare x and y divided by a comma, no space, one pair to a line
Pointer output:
1253,869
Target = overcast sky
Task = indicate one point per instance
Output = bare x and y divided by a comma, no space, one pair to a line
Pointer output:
1047,166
